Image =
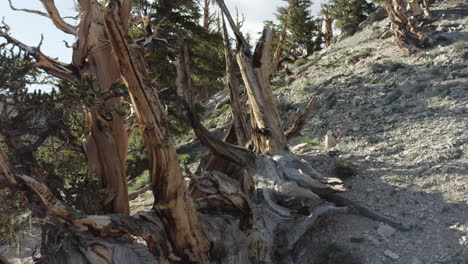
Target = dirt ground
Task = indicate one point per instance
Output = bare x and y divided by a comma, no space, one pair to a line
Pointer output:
403,152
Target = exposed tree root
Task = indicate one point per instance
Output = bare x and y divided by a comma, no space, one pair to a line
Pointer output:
134,195
363,210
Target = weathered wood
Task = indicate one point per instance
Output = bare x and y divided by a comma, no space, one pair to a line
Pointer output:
237,106
106,138
279,49
236,154
301,119
328,30
172,203
408,37
135,194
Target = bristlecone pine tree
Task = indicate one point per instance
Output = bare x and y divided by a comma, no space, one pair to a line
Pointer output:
252,210
404,16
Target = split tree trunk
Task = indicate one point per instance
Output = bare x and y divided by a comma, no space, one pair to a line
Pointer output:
106,142
257,220
170,195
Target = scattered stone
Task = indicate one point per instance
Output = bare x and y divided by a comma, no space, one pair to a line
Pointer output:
300,148
374,241
391,255
330,140
416,261
356,239
385,231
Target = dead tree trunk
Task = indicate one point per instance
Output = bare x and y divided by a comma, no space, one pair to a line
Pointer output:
328,30
171,199
206,15
267,135
279,48
258,219
106,142
408,36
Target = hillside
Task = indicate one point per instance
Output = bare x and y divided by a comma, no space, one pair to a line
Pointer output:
401,146
404,121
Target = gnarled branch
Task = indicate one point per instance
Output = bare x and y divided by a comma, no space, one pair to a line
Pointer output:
228,151
28,10
58,21
49,65
301,119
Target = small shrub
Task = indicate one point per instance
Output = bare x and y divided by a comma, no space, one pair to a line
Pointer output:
433,53
142,180
311,141
377,68
394,66
364,53
373,141
459,46
220,111
185,158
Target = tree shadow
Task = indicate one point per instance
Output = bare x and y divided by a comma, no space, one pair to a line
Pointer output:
438,226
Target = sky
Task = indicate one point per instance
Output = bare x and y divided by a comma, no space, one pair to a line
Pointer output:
28,27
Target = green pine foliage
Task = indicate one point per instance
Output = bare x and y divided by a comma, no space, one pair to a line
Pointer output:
348,13
206,54
303,28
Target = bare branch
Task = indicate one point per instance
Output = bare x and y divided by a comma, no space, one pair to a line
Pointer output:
363,210
301,119
58,21
80,51
67,45
5,168
147,225
243,43
303,224
28,10
40,42
238,107
49,65
52,13
279,48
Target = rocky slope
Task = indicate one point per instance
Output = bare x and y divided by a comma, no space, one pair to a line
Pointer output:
403,122
403,152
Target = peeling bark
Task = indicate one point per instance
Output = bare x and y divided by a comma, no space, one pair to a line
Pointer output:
408,37
107,138
171,200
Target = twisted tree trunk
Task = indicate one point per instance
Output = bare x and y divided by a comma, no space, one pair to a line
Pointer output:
256,219
171,199
408,36
106,141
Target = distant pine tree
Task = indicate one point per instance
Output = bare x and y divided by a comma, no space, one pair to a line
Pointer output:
302,26
348,13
